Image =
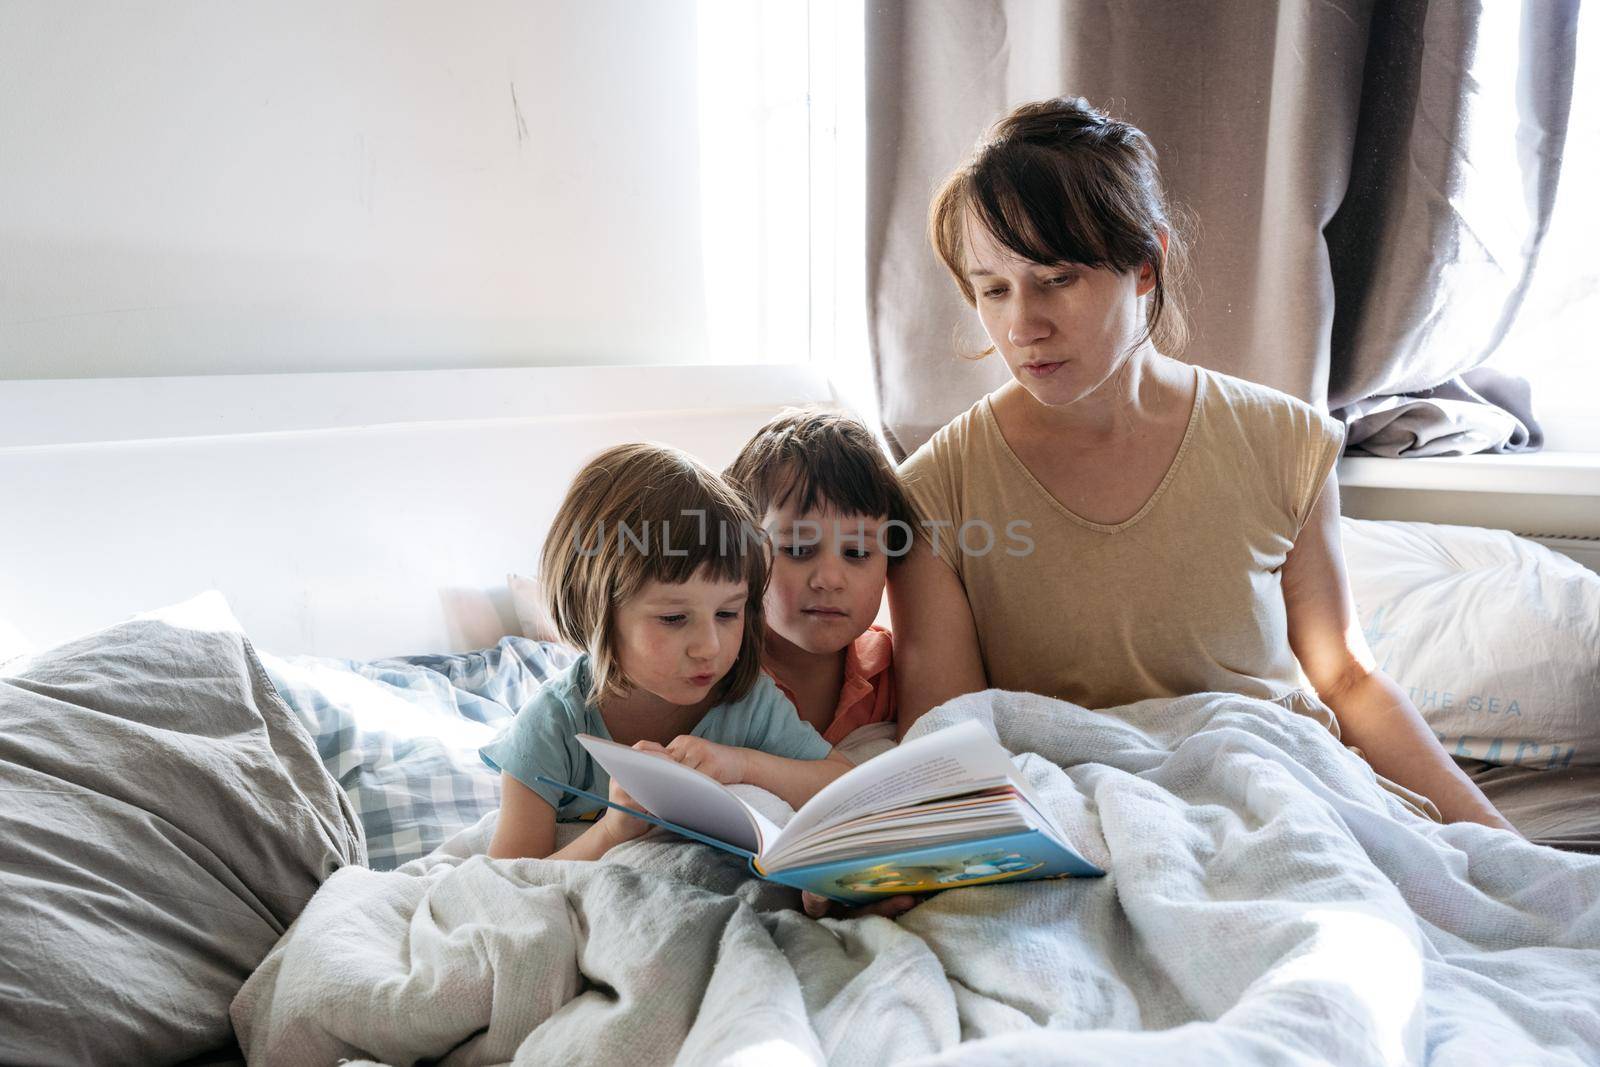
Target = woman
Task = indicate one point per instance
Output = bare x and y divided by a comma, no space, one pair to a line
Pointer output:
1184,524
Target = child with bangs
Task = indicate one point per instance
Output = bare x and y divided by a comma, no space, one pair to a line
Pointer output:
654,568
837,519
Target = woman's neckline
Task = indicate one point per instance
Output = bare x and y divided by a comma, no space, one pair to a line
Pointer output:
987,404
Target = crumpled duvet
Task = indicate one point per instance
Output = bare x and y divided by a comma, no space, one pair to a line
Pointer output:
1267,902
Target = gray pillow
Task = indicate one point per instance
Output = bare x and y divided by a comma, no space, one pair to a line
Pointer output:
163,819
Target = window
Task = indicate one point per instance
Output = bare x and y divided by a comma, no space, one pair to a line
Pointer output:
1552,341
782,165
754,179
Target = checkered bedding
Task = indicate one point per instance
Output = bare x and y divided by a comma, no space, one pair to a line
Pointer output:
401,735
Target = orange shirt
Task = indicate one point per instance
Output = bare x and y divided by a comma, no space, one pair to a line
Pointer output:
868,691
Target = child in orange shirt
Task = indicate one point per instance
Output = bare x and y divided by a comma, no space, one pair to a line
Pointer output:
838,519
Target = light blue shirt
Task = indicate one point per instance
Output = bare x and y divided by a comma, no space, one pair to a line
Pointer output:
543,738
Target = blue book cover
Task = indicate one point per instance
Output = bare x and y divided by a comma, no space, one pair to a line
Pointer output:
982,861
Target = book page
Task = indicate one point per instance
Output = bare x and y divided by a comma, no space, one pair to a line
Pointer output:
953,813
678,794
765,803
953,760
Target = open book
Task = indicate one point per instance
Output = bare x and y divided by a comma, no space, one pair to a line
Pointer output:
945,810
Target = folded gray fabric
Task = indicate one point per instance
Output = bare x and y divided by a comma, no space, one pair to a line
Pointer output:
1481,411
163,819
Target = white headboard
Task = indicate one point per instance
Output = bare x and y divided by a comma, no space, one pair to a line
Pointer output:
354,515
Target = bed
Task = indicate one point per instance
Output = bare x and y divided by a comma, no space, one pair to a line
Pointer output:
239,829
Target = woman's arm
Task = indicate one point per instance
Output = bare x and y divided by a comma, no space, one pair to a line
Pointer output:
1374,713
936,654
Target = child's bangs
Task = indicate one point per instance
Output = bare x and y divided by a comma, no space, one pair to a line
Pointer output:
704,538
837,480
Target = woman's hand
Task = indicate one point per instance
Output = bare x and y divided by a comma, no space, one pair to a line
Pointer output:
821,907
725,763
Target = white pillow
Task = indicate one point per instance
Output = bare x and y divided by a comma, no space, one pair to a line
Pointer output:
1495,638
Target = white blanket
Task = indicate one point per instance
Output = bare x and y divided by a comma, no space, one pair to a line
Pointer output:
1267,902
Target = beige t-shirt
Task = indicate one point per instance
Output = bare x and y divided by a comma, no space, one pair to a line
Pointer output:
1183,597
1186,596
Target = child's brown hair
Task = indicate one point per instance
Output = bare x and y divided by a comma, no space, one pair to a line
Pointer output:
638,513
820,457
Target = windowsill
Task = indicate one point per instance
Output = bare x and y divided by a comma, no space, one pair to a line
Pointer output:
1556,473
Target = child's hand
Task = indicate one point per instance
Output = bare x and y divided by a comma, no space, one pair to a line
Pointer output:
619,826
723,762
821,907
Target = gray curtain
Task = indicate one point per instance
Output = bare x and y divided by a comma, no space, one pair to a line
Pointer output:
1349,248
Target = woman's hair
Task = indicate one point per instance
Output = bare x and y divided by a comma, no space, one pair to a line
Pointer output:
825,459
639,513
1058,181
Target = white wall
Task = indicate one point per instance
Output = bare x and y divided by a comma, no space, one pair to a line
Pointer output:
209,209
191,187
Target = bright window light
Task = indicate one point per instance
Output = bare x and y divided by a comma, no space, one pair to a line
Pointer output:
755,178
1552,341
1352,958
782,98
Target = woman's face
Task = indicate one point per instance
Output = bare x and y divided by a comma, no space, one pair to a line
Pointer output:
1062,329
